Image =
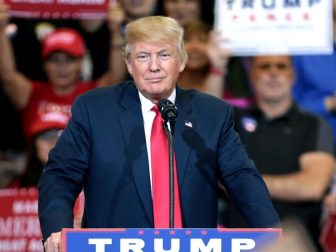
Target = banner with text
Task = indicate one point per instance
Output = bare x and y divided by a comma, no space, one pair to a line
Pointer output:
19,224
58,9
174,240
275,26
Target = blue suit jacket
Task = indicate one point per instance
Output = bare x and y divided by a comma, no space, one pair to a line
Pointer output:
103,149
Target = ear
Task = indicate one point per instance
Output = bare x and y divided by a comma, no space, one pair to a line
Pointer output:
183,63
128,65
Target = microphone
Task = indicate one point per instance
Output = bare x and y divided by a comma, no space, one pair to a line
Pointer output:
168,112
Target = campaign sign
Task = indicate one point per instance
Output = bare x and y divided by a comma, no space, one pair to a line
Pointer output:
173,240
58,9
275,26
19,224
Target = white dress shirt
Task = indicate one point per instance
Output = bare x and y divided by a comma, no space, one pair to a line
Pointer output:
148,118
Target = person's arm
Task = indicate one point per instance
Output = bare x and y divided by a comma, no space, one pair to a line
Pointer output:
310,183
117,69
17,87
219,57
316,168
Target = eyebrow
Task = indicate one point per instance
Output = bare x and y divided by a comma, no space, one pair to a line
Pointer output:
158,52
164,50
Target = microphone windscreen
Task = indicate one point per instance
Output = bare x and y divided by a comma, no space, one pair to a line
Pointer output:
167,109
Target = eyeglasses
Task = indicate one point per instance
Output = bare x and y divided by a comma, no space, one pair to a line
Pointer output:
278,66
62,58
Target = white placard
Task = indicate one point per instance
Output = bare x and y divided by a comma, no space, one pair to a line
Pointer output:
256,27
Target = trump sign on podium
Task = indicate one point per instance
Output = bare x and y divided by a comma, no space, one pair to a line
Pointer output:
255,27
168,240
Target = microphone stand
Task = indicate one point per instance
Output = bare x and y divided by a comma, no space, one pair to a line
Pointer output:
171,173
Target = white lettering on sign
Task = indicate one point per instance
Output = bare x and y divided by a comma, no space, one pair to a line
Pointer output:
214,245
25,207
242,244
174,245
13,245
270,4
134,245
100,243
20,226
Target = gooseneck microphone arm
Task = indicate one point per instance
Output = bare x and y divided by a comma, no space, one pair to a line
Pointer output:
171,174
169,115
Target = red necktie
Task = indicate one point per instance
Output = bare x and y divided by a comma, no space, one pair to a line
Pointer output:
160,177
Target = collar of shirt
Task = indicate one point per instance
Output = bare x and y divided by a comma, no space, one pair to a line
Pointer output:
255,112
148,118
147,105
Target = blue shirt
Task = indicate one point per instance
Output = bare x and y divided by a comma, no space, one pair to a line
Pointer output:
316,79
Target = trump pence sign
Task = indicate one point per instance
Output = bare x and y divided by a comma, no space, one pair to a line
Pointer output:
254,27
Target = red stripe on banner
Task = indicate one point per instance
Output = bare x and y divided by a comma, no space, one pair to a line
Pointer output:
58,9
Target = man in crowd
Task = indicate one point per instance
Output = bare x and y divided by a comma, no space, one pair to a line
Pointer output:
292,149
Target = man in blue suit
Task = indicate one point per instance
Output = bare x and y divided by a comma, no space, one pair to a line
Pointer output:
105,148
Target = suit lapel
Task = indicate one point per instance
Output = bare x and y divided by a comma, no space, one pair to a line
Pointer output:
184,130
131,121
133,131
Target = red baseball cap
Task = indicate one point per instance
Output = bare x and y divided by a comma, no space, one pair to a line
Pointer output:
45,121
65,40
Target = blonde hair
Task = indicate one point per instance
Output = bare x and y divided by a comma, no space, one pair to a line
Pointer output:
155,29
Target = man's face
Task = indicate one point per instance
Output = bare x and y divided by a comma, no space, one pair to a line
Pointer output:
155,68
62,70
272,77
138,8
